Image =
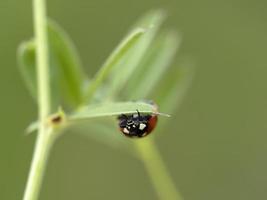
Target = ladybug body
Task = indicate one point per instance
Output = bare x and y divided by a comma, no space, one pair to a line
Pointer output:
137,125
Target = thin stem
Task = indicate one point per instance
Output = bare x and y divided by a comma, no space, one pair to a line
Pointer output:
157,170
41,152
41,40
45,136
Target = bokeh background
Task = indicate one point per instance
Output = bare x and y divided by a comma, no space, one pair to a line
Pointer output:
215,146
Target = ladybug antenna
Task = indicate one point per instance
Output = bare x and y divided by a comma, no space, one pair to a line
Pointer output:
138,113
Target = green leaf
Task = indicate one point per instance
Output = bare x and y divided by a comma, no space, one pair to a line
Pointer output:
173,88
32,127
113,59
97,121
66,76
113,109
64,58
26,63
156,61
122,72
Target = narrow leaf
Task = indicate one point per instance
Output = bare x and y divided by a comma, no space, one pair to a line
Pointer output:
66,76
64,58
153,66
173,88
26,57
113,109
32,127
26,63
119,52
123,71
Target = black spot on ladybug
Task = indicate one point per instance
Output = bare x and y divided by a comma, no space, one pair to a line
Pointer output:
137,125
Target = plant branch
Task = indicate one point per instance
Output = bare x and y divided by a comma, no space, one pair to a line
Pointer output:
45,135
40,29
41,152
157,170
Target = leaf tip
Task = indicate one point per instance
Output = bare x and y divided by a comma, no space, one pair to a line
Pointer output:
162,114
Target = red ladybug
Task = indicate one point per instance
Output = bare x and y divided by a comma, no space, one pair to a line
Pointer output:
137,125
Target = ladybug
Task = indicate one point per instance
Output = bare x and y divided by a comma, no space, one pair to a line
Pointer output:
137,125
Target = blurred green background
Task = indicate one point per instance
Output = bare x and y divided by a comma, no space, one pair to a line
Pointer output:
215,146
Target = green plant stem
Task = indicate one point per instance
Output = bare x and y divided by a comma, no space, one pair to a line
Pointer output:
45,135
40,29
157,170
41,152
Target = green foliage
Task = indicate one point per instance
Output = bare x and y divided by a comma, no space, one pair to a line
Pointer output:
66,75
65,60
122,73
174,89
114,58
152,67
112,109
27,65
136,70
